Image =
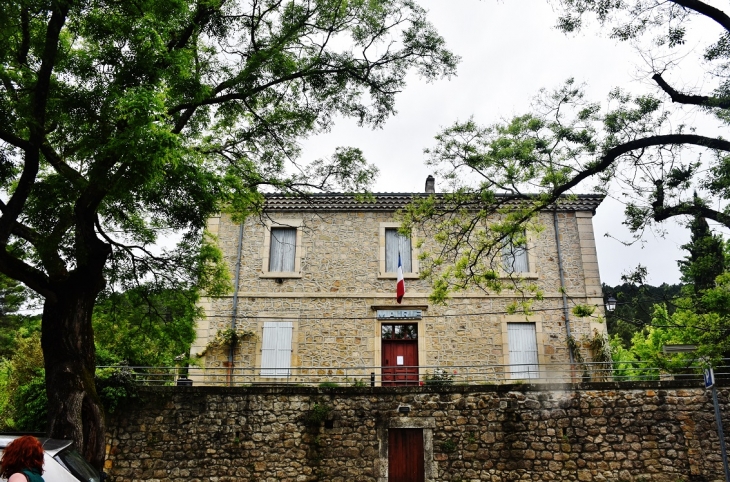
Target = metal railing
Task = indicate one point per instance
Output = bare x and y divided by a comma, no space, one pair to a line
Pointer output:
366,376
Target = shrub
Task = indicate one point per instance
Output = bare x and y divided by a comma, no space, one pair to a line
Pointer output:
115,387
31,405
439,377
317,414
24,388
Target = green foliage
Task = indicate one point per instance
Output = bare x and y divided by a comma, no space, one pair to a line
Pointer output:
228,338
583,311
12,297
357,382
574,347
635,307
329,385
116,387
707,259
4,393
448,446
145,326
163,114
700,317
624,361
24,388
600,347
317,414
475,231
632,147
440,377
31,406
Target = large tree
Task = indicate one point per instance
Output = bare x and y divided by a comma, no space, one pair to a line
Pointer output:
638,148
121,121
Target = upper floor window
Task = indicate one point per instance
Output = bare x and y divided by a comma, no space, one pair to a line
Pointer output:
396,244
282,249
393,243
515,259
283,252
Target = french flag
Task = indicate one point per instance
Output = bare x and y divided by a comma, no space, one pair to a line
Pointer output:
400,287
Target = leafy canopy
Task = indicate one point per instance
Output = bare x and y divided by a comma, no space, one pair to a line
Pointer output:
121,122
637,148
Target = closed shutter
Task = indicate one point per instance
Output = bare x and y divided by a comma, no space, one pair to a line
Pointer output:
397,243
282,249
276,349
515,259
522,350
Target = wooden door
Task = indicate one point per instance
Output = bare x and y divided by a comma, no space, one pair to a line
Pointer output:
400,362
405,455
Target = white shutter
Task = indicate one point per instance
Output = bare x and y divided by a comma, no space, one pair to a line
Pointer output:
514,259
282,249
523,350
276,349
395,243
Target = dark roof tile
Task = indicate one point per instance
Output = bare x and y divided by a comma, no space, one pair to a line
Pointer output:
393,202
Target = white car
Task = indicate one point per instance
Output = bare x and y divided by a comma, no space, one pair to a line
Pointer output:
61,461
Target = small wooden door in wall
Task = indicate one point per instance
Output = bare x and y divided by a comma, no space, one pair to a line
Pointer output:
405,455
399,354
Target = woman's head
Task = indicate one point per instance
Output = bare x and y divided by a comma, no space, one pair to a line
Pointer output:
22,453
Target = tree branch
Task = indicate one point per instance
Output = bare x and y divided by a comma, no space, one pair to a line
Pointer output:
202,15
681,98
662,213
37,126
71,174
25,37
614,153
32,277
14,140
707,10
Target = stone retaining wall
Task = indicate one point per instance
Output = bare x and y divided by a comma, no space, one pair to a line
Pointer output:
600,431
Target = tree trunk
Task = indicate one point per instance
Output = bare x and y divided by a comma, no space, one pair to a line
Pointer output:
74,408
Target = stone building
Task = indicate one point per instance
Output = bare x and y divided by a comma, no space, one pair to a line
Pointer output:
315,300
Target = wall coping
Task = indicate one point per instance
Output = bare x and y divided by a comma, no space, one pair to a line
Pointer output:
503,388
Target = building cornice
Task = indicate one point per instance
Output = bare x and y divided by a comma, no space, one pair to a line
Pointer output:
391,202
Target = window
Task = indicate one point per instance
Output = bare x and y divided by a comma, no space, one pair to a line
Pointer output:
399,332
397,244
515,259
522,350
282,250
392,243
276,349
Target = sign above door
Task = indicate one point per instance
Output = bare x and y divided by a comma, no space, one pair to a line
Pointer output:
399,314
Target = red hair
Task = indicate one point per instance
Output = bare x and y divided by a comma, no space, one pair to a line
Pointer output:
25,452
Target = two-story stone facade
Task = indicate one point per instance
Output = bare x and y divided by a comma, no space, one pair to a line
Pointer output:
315,299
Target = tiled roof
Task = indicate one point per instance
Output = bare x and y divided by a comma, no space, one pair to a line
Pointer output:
395,201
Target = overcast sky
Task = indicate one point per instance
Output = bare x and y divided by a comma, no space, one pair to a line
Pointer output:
509,49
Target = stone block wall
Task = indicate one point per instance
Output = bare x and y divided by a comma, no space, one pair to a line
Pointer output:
602,431
331,301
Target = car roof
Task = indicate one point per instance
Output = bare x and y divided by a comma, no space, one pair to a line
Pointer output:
51,445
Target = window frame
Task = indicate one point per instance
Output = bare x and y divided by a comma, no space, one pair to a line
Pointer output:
531,260
298,249
382,274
